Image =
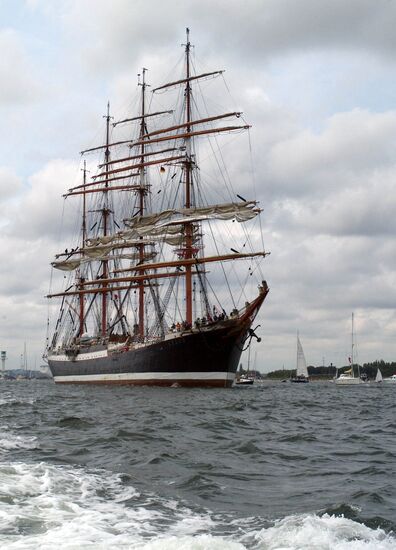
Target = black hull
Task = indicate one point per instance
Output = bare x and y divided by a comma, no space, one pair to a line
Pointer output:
194,359
244,382
206,357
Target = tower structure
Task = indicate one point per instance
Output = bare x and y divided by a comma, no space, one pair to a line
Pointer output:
3,356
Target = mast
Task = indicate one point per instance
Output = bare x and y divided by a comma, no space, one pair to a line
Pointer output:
142,193
105,215
188,178
84,213
352,349
83,236
24,358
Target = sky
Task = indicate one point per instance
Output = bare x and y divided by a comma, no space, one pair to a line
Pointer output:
316,80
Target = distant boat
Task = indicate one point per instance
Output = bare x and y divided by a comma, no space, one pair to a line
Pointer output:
244,380
378,377
301,369
23,375
390,380
348,378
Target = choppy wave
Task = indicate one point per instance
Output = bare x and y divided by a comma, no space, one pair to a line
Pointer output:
157,468
47,506
10,441
11,400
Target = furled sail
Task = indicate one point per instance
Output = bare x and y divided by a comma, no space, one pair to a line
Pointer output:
122,236
242,212
66,265
160,227
70,265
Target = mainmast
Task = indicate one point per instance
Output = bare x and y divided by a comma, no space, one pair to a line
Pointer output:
83,239
188,181
142,194
105,214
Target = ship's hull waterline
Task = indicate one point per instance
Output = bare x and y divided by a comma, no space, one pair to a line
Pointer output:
203,358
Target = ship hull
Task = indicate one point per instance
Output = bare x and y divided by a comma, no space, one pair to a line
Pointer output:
194,359
206,358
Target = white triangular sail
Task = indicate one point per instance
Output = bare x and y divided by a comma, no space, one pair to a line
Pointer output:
301,362
378,378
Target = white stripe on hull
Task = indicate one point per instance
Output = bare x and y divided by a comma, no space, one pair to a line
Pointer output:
147,376
79,357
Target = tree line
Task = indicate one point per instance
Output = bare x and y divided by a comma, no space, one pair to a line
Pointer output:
370,369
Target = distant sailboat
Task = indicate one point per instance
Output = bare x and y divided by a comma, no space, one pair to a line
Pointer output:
301,370
245,379
378,377
347,378
23,375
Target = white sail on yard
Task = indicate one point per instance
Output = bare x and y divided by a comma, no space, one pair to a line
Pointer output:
240,211
159,227
98,255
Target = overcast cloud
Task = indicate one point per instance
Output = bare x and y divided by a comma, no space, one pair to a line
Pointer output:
316,81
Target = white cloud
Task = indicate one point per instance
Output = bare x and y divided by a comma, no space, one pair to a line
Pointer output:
352,147
30,236
41,211
10,184
117,32
18,85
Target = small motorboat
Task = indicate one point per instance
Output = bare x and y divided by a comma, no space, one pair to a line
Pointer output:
244,380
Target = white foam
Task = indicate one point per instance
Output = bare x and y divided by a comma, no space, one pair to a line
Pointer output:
10,400
10,441
199,542
49,507
309,531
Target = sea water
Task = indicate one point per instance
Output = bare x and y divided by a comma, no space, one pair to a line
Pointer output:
270,466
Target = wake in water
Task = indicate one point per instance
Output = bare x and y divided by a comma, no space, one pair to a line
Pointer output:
46,506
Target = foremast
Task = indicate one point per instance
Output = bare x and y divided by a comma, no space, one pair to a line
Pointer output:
142,191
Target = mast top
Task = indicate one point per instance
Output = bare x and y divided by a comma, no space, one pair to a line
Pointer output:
142,74
187,38
106,116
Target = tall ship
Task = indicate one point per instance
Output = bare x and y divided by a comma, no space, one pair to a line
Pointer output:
164,279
